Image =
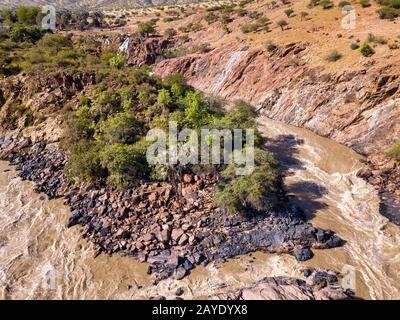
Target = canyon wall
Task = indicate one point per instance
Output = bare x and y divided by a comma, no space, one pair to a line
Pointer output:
359,108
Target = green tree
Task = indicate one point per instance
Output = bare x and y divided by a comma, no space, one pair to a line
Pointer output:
282,23
32,15
22,15
146,28
126,164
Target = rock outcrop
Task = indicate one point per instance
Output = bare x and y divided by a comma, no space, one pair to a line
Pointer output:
359,108
321,285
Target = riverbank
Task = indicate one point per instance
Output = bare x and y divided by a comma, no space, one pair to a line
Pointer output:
371,250
173,235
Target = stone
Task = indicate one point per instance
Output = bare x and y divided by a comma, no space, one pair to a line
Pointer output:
179,292
139,246
123,213
307,272
165,236
176,234
183,239
180,273
303,254
123,234
187,178
152,197
148,237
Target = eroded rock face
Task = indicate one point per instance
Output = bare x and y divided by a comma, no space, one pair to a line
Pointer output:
359,108
147,51
321,285
42,95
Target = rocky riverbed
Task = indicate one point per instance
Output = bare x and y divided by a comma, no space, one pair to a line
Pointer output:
150,223
319,285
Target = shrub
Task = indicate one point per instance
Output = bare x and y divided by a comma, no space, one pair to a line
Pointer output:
313,3
388,13
270,46
54,42
225,19
24,33
289,12
377,39
122,128
84,161
354,46
170,32
393,46
334,56
282,24
211,17
366,50
125,164
255,15
303,14
365,3
247,28
146,28
395,152
344,3
254,193
242,12
326,4
202,48
118,61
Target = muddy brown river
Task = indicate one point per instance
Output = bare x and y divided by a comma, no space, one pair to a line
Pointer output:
41,259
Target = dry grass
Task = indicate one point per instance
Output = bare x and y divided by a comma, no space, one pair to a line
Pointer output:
321,29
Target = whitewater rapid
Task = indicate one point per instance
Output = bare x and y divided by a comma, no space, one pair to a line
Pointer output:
42,259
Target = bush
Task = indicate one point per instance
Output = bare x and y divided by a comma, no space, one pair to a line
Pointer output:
388,13
247,28
170,32
118,61
376,39
282,24
84,161
122,128
146,28
255,15
253,193
289,12
54,42
393,46
395,152
354,46
326,4
313,3
334,56
125,164
211,17
26,33
303,14
344,3
365,3
270,46
366,50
